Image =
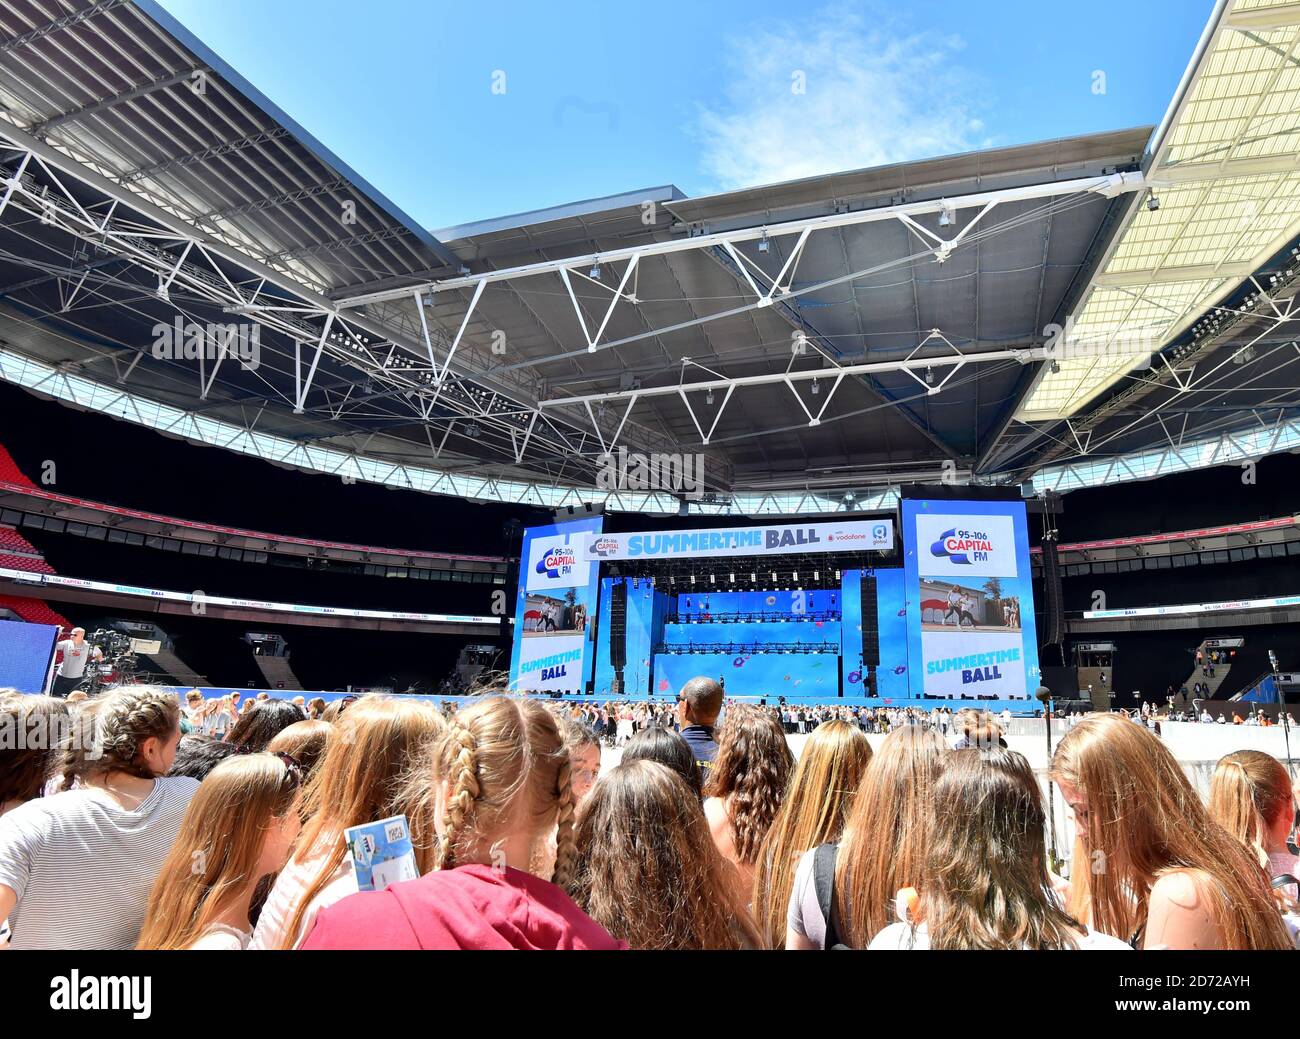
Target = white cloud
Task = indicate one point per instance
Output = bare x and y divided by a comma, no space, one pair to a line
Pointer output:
873,96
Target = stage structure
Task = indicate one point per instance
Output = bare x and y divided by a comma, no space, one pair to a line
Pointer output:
932,604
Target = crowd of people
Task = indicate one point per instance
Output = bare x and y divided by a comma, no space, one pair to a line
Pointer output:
127,821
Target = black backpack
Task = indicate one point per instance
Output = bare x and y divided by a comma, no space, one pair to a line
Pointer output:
824,884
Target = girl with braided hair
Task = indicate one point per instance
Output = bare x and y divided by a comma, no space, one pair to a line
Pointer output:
500,784
362,778
76,867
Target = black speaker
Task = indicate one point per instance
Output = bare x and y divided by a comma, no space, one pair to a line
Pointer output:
1053,597
870,622
618,626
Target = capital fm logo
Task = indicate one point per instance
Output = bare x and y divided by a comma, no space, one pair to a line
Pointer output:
603,547
963,547
557,561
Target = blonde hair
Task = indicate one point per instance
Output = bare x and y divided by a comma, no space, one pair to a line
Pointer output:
1145,821
1249,790
501,757
887,834
217,851
825,780
362,778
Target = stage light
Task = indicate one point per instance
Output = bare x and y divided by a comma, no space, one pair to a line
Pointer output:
595,272
708,397
732,578
763,243
692,578
754,578
946,215
817,575
815,387
712,579
837,575
794,576
929,376
1153,203
773,575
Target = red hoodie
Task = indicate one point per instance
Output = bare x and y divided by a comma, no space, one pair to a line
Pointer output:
469,907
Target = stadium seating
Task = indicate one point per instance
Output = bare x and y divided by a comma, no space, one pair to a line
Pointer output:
35,611
9,471
31,564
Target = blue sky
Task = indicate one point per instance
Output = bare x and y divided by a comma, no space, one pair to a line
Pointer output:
602,98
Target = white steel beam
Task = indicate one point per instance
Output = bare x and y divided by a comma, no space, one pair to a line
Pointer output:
1108,186
908,364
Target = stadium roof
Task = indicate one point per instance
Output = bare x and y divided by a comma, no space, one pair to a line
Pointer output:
818,341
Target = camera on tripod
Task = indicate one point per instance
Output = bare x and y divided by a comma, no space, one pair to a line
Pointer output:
117,665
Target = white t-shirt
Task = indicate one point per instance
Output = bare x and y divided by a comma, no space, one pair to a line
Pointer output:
902,936
82,865
75,657
223,937
289,887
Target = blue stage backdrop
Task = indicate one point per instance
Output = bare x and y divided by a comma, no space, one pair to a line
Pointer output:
753,674
970,602
891,620
26,651
646,611
553,639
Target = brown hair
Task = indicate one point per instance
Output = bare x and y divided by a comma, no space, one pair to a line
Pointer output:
1145,821
499,758
259,725
362,778
39,725
825,780
753,768
110,731
887,834
218,848
305,742
647,869
986,884
981,731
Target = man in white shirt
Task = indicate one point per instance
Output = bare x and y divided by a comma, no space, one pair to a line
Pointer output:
954,606
77,653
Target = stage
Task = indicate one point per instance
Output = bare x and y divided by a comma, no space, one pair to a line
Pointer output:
842,610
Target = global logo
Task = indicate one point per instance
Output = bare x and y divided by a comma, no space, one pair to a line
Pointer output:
604,546
963,547
557,561
879,533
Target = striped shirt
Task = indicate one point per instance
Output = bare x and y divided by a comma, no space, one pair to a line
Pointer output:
82,866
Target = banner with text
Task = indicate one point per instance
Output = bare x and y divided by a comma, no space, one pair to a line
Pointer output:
555,609
970,610
776,539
